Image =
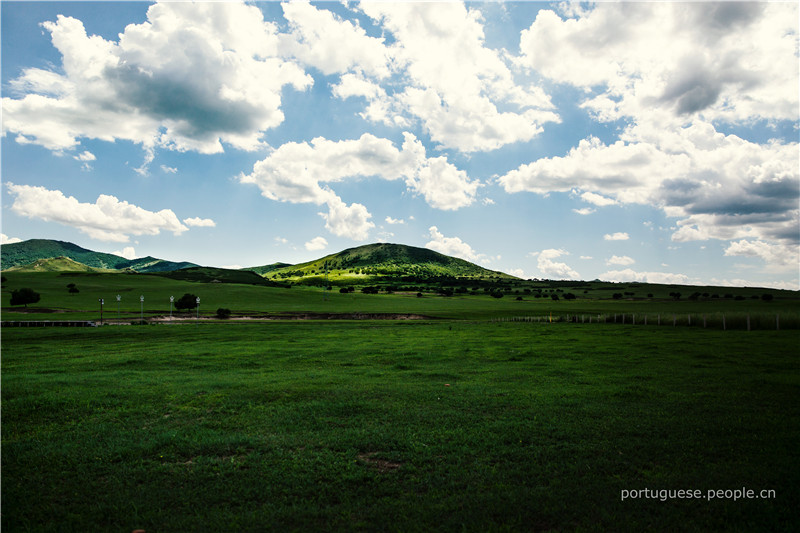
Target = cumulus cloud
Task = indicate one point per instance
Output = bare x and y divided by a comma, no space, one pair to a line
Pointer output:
351,221
5,239
301,172
673,72
128,252
584,211
777,258
463,93
108,219
193,76
622,260
550,268
453,246
618,236
390,220
722,60
317,243
199,222
323,40
598,200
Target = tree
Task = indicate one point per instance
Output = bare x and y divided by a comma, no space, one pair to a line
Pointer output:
186,302
24,297
74,290
554,297
223,312
767,297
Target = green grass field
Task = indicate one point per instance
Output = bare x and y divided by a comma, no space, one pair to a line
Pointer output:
382,425
485,416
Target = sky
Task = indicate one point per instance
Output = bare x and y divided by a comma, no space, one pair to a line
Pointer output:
651,142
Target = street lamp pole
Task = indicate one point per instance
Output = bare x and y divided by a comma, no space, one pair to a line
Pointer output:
141,310
171,299
101,310
197,301
118,299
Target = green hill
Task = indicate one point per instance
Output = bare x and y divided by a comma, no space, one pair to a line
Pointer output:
27,252
218,275
56,264
383,260
261,270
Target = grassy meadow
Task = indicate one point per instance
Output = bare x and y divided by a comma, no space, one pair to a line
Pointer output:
466,421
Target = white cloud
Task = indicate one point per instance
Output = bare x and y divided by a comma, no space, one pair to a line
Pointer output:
323,40
627,275
281,240
619,236
456,86
598,200
584,211
777,258
108,219
623,260
452,246
727,61
299,173
199,222
128,252
5,239
191,77
390,220
168,170
518,272
351,221
672,71
550,268
317,243
586,257
85,156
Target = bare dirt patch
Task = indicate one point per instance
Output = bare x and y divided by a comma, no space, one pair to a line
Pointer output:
383,466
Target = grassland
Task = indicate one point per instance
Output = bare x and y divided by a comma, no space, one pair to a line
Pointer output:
444,425
592,299
484,416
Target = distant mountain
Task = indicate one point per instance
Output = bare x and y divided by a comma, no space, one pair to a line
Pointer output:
354,265
384,259
28,252
56,264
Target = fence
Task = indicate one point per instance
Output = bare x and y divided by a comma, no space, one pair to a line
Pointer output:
723,321
47,323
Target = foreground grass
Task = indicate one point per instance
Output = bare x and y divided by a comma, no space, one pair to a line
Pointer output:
396,426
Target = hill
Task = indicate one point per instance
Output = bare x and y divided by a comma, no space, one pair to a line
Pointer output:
28,252
383,260
55,264
218,275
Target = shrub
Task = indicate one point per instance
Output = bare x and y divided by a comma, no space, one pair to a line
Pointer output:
766,297
554,297
186,302
223,312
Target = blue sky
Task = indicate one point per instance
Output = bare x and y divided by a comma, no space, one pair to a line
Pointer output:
649,142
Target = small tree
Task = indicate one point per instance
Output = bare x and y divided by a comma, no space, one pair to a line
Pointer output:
186,302
24,297
74,290
223,312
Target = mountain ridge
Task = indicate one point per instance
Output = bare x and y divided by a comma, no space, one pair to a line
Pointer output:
26,253
359,264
